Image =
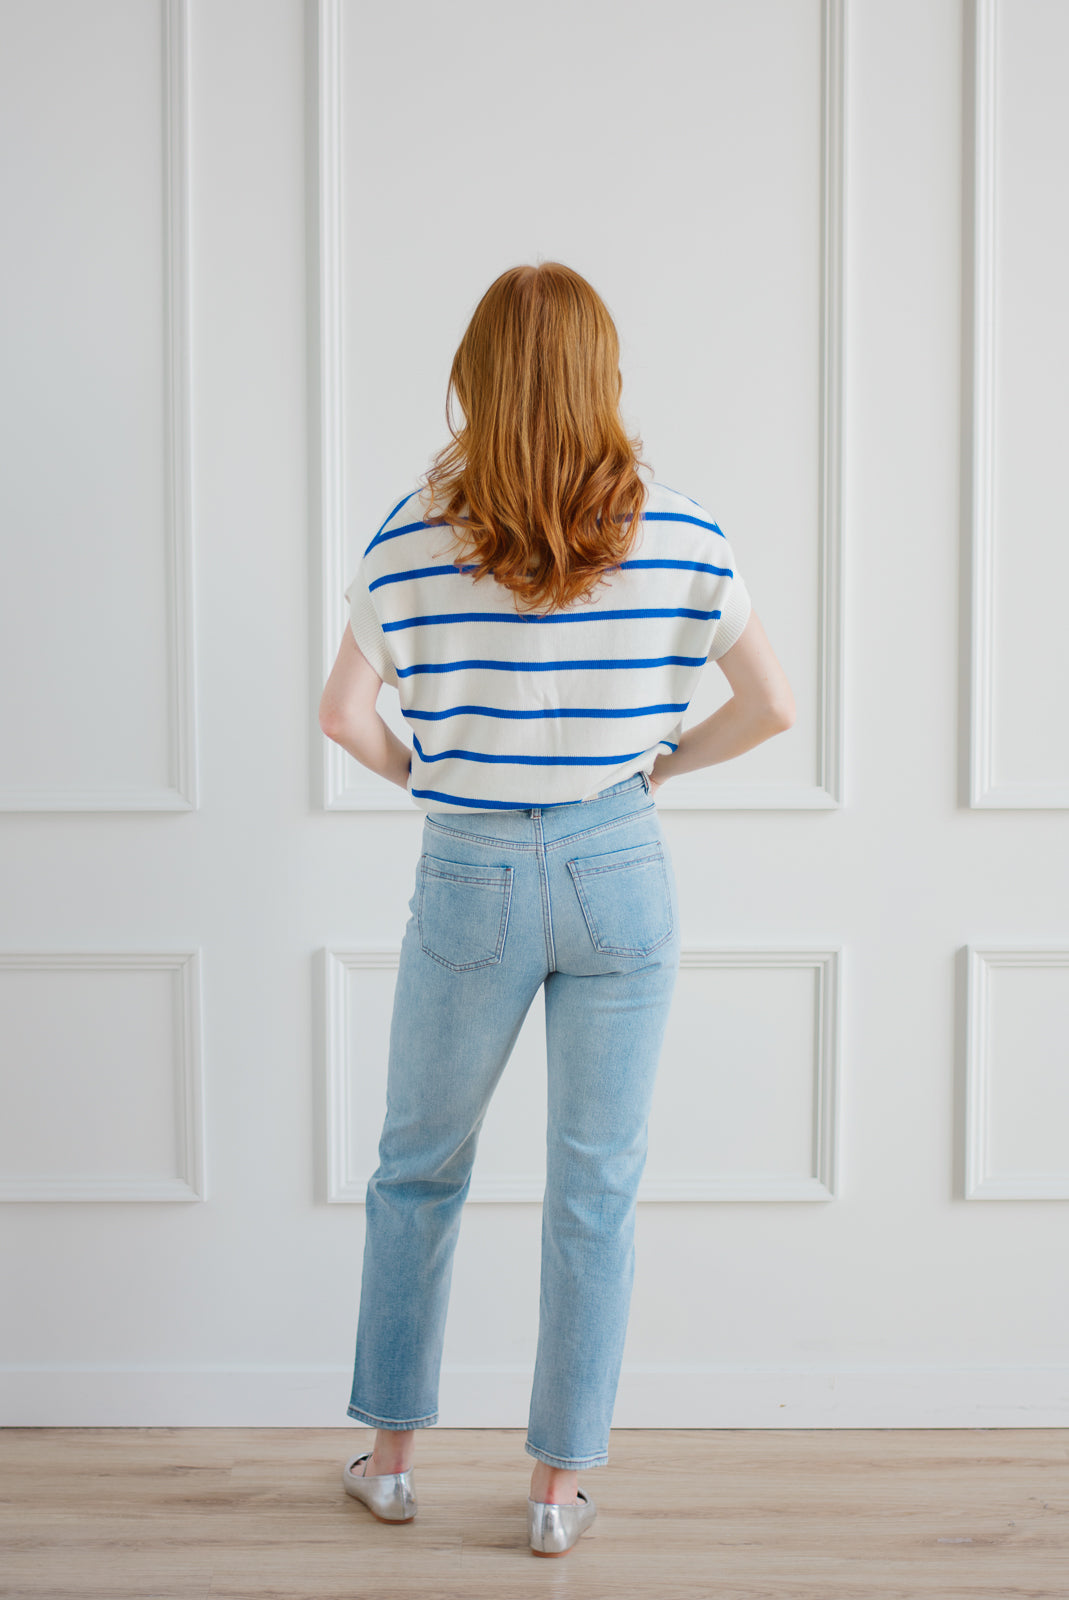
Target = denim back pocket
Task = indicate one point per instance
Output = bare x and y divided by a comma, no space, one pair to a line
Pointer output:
463,911
625,898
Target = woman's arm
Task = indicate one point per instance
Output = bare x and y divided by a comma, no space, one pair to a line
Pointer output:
762,705
347,715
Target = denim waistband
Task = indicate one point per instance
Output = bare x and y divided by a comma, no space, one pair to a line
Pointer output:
553,821
635,781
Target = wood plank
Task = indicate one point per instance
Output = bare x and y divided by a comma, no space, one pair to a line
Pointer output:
684,1514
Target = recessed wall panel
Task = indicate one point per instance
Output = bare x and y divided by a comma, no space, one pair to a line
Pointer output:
745,1104
94,493
1019,238
1017,1087
101,1093
700,191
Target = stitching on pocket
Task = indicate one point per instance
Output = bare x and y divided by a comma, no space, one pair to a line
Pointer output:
636,856
495,878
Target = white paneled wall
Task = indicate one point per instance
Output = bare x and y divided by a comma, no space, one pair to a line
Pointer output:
243,240
96,620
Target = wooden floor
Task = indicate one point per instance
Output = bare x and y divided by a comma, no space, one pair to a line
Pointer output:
155,1513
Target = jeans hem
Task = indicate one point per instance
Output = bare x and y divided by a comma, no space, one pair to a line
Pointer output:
391,1422
568,1463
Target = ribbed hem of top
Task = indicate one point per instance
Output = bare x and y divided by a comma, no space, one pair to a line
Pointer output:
733,618
367,631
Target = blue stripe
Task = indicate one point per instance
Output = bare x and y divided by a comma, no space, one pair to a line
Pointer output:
479,805
689,566
681,516
451,571
419,572
395,533
499,805
525,761
390,518
554,666
588,616
497,711
648,516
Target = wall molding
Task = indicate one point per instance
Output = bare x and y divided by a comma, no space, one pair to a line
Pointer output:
346,786
189,1182
182,793
980,410
982,1181
975,1395
344,1185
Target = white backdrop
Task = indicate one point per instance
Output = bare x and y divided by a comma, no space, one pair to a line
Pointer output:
244,239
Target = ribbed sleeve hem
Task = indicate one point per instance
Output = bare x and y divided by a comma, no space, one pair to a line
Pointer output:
733,618
367,630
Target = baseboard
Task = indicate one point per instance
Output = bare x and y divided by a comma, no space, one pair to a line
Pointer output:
498,1397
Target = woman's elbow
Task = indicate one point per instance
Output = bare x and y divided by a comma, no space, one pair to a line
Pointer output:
781,712
330,718
786,711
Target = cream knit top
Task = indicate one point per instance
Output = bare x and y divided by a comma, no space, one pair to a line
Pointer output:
509,710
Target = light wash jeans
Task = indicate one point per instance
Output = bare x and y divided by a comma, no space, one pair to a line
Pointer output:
582,898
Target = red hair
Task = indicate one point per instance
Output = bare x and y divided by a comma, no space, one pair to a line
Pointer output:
541,484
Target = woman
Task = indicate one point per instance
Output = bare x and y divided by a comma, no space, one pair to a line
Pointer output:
545,616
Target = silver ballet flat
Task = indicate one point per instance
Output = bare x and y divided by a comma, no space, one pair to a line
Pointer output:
553,1529
387,1496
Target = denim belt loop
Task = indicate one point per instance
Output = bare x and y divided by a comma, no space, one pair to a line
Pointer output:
645,781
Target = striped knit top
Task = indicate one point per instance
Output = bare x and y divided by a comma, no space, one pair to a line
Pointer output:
509,710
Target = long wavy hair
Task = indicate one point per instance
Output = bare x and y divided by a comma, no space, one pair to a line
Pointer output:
541,484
